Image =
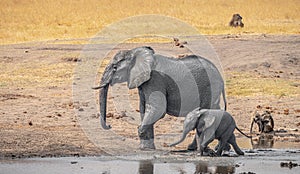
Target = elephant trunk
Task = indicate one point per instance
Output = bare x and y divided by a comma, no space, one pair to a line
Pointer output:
104,85
181,140
102,102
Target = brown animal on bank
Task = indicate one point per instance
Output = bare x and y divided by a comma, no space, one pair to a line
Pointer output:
264,122
179,44
236,21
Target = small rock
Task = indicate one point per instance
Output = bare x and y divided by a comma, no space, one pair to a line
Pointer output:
123,114
108,115
286,111
281,131
165,145
80,109
181,55
258,106
30,123
266,64
74,162
288,164
237,165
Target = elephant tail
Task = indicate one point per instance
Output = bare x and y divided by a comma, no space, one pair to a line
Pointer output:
224,99
243,133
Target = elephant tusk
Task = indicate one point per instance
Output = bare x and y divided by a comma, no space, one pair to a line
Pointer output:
99,87
171,145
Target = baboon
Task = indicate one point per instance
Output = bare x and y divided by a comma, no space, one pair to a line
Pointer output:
236,21
264,122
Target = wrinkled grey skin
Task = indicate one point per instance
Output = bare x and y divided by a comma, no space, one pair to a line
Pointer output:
207,123
165,85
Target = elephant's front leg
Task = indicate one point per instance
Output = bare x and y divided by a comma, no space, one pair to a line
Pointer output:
155,108
193,146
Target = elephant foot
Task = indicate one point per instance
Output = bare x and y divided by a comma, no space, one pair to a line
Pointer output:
209,152
225,153
147,144
226,148
192,146
240,153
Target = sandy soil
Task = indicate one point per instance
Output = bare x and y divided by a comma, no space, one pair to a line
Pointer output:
39,119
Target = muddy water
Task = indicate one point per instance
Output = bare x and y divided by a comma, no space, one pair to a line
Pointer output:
256,161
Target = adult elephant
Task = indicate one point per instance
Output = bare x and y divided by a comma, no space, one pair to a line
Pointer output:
165,85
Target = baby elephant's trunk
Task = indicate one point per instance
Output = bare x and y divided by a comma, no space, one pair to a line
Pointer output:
181,140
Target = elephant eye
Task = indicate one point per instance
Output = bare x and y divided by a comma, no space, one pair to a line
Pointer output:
114,67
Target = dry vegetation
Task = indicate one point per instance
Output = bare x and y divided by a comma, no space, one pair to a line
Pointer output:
33,20
37,74
249,84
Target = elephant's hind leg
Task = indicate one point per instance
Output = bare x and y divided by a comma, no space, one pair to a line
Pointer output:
223,140
236,148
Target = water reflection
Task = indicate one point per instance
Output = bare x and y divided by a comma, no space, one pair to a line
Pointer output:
264,141
205,168
148,167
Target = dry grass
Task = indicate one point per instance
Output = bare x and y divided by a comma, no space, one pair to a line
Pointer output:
33,20
22,75
246,84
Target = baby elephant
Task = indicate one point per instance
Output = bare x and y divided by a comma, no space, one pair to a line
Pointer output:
211,124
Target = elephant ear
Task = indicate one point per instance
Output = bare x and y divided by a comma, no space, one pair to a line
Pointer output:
142,62
212,121
209,121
